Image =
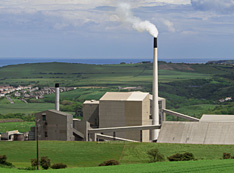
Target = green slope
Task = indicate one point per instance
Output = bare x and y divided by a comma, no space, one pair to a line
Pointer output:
91,154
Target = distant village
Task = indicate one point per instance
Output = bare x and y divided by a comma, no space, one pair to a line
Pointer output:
27,92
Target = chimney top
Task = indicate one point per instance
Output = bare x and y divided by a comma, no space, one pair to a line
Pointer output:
155,42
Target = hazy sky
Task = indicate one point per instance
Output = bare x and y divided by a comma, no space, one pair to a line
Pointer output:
91,29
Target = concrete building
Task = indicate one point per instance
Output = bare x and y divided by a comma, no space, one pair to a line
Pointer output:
120,109
55,125
114,109
125,109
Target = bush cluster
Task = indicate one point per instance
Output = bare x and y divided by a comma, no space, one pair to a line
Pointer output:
181,157
109,163
45,163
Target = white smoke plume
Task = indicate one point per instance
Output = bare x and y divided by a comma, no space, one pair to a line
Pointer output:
125,15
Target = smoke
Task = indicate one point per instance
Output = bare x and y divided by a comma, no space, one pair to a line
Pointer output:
223,6
125,15
169,25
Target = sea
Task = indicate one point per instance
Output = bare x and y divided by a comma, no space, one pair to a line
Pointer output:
14,61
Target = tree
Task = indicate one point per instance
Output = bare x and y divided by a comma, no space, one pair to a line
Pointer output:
45,162
155,155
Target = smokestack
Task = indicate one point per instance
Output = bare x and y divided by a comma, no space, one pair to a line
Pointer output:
155,114
57,96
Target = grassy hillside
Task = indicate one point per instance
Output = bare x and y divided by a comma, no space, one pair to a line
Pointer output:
192,89
90,154
47,74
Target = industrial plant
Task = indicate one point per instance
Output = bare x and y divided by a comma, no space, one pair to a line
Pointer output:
134,117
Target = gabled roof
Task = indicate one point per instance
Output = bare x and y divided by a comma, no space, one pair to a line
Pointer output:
124,96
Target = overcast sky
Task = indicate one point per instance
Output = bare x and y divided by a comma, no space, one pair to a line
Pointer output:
91,29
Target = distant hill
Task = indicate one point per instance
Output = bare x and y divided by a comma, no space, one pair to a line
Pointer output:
221,62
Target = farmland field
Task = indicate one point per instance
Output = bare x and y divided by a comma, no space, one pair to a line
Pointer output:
21,126
25,108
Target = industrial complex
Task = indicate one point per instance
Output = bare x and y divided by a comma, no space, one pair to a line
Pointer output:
128,116
135,117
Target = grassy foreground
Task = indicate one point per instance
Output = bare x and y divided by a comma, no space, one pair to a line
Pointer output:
204,166
91,154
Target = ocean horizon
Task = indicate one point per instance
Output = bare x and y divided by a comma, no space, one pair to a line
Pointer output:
15,61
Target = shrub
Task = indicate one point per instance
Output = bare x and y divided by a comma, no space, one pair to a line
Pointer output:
33,162
155,155
188,156
45,162
3,159
181,157
175,157
58,166
109,163
226,155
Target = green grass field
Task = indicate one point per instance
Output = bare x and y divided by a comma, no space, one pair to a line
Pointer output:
204,166
196,110
25,108
21,126
74,154
90,154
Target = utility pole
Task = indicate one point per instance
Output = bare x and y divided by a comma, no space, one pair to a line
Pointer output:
37,144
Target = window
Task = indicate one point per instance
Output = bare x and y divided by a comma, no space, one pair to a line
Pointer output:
44,117
46,135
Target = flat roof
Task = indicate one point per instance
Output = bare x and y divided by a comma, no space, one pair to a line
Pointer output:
124,96
217,118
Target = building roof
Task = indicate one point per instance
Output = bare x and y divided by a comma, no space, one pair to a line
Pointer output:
57,112
124,96
217,118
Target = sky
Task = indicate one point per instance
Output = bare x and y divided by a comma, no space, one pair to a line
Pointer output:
188,29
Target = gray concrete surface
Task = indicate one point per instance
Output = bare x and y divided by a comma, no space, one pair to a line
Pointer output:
197,132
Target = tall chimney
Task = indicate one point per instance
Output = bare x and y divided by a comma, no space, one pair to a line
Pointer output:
57,96
155,114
